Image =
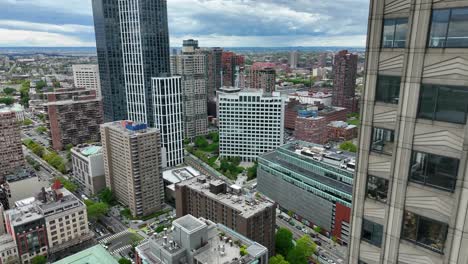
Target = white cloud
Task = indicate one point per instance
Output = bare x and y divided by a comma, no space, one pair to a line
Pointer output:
66,28
13,37
80,7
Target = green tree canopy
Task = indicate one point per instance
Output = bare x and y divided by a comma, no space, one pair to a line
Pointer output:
41,84
41,129
201,142
107,196
303,250
9,91
348,146
283,241
97,210
278,259
27,122
67,184
39,260
7,100
124,261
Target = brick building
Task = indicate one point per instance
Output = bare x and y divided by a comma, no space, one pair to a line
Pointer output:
214,200
11,152
230,61
290,113
263,76
344,82
340,131
74,116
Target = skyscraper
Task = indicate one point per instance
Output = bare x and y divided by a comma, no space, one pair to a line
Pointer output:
294,59
344,82
192,67
214,69
263,76
87,76
410,193
132,165
232,64
132,40
11,152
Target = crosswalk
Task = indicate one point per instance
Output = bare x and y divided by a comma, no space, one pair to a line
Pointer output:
114,236
117,251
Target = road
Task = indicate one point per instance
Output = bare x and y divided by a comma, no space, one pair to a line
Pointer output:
325,249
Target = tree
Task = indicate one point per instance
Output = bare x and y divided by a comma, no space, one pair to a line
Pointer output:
97,210
303,250
68,147
9,91
124,261
107,196
70,186
41,129
283,241
252,172
318,229
24,91
243,250
201,142
40,84
278,259
39,260
348,146
27,122
7,100
38,150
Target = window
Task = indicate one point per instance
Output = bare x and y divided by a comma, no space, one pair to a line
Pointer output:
372,233
377,188
425,232
383,140
443,103
388,89
449,28
394,33
433,170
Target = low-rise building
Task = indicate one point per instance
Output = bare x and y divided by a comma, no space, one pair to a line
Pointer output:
195,241
8,250
92,255
229,205
341,131
314,183
88,168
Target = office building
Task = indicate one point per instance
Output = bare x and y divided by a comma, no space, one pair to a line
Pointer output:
214,71
321,181
232,65
132,40
192,67
88,168
193,240
87,76
294,59
229,206
250,123
344,81
73,116
263,76
132,165
11,152
8,249
168,107
410,202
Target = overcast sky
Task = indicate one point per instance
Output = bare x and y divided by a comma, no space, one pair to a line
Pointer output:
226,23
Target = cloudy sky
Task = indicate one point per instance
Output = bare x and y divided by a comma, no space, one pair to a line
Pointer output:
227,23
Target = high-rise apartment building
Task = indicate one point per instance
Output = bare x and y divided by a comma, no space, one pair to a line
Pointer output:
232,64
314,183
11,151
87,76
344,82
294,59
214,71
132,165
251,123
169,118
216,201
132,40
192,67
410,194
263,76
73,116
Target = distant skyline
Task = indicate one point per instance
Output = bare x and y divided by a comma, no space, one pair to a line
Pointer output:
225,23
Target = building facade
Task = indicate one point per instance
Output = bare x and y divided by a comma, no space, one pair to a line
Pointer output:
132,165
192,67
140,30
263,76
216,201
250,123
214,71
232,64
8,250
87,76
169,118
73,116
11,151
88,168
344,81
294,59
195,240
320,179
410,193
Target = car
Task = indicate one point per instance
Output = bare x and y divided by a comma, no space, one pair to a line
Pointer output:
131,255
298,227
317,242
280,216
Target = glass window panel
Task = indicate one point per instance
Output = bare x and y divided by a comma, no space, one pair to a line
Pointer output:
410,226
401,28
377,188
457,35
432,233
372,233
451,104
388,89
434,170
439,27
383,140
427,102
388,33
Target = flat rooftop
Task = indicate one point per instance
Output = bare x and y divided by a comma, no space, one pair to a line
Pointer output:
130,128
189,223
96,254
247,205
88,149
180,174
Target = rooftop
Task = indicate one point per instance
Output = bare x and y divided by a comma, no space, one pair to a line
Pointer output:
6,242
12,108
180,174
88,149
129,127
189,224
96,254
247,204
